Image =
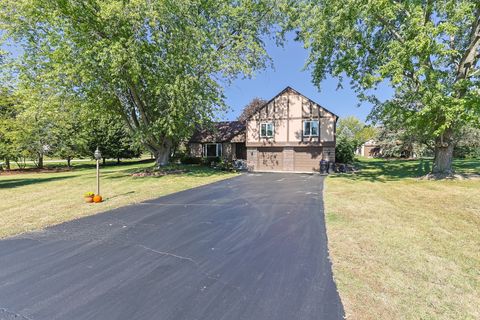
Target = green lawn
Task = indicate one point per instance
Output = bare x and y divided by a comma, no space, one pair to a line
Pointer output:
404,248
32,201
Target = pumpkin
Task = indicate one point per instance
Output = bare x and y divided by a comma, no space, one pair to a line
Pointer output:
97,198
88,199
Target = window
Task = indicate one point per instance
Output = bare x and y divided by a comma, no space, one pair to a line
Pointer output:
310,128
212,150
266,130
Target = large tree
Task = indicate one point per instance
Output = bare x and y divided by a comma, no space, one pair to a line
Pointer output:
161,62
8,114
426,50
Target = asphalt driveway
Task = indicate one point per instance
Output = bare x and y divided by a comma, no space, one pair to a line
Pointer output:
253,247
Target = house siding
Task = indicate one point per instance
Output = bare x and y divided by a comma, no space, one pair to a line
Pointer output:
228,150
196,150
287,112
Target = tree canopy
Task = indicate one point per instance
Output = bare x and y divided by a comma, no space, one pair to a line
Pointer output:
355,130
160,64
426,50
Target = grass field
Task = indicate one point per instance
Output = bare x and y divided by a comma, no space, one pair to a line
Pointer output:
32,201
404,248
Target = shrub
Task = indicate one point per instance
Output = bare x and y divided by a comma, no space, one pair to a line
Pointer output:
211,160
345,151
191,160
226,165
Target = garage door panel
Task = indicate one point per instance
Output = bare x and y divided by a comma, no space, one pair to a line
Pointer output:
307,159
270,158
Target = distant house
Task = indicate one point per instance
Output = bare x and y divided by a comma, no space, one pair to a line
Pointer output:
369,149
288,133
222,140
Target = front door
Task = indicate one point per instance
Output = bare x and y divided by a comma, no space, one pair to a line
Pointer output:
240,151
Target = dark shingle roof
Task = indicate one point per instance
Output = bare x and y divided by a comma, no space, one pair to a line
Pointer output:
219,132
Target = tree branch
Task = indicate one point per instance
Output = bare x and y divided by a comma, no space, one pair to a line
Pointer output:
470,56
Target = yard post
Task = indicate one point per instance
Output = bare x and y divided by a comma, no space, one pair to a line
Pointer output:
98,156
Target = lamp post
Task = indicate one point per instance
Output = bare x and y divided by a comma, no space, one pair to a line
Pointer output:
98,156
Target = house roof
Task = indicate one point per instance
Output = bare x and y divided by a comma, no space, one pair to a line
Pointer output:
219,132
288,88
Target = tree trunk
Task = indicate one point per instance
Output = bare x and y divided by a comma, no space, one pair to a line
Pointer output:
69,160
162,156
40,161
444,153
7,164
118,160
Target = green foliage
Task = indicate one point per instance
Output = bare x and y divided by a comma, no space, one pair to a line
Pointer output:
468,145
354,130
8,113
345,150
426,50
160,64
226,165
351,134
191,160
399,143
109,133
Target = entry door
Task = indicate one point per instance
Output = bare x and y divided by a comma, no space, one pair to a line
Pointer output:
240,151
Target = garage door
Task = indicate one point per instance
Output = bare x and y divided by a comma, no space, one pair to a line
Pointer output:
307,159
270,158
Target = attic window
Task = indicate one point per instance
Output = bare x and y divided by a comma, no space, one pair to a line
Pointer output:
310,128
266,130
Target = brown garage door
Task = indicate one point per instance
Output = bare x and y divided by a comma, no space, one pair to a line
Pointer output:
307,159
270,159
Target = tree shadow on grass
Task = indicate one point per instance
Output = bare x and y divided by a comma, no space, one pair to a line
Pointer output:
191,170
14,183
380,170
467,166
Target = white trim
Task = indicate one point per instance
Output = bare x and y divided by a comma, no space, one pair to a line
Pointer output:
311,135
266,130
218,149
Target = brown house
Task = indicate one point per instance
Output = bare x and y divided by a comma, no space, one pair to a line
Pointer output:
288,133
223,140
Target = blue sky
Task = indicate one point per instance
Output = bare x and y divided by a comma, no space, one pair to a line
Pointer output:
289,62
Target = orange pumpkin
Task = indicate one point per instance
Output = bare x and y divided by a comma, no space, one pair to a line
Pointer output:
88,199
97,198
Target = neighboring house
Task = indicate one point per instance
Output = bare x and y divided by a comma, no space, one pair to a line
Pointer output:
224,140
290,133
369,149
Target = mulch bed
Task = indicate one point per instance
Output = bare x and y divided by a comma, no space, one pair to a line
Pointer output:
158,173
453,176
34,170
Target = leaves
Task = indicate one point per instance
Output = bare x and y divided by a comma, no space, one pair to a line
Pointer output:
418,47
160,64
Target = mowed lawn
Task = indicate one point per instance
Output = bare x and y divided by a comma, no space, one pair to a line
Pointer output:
33,201
404,248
